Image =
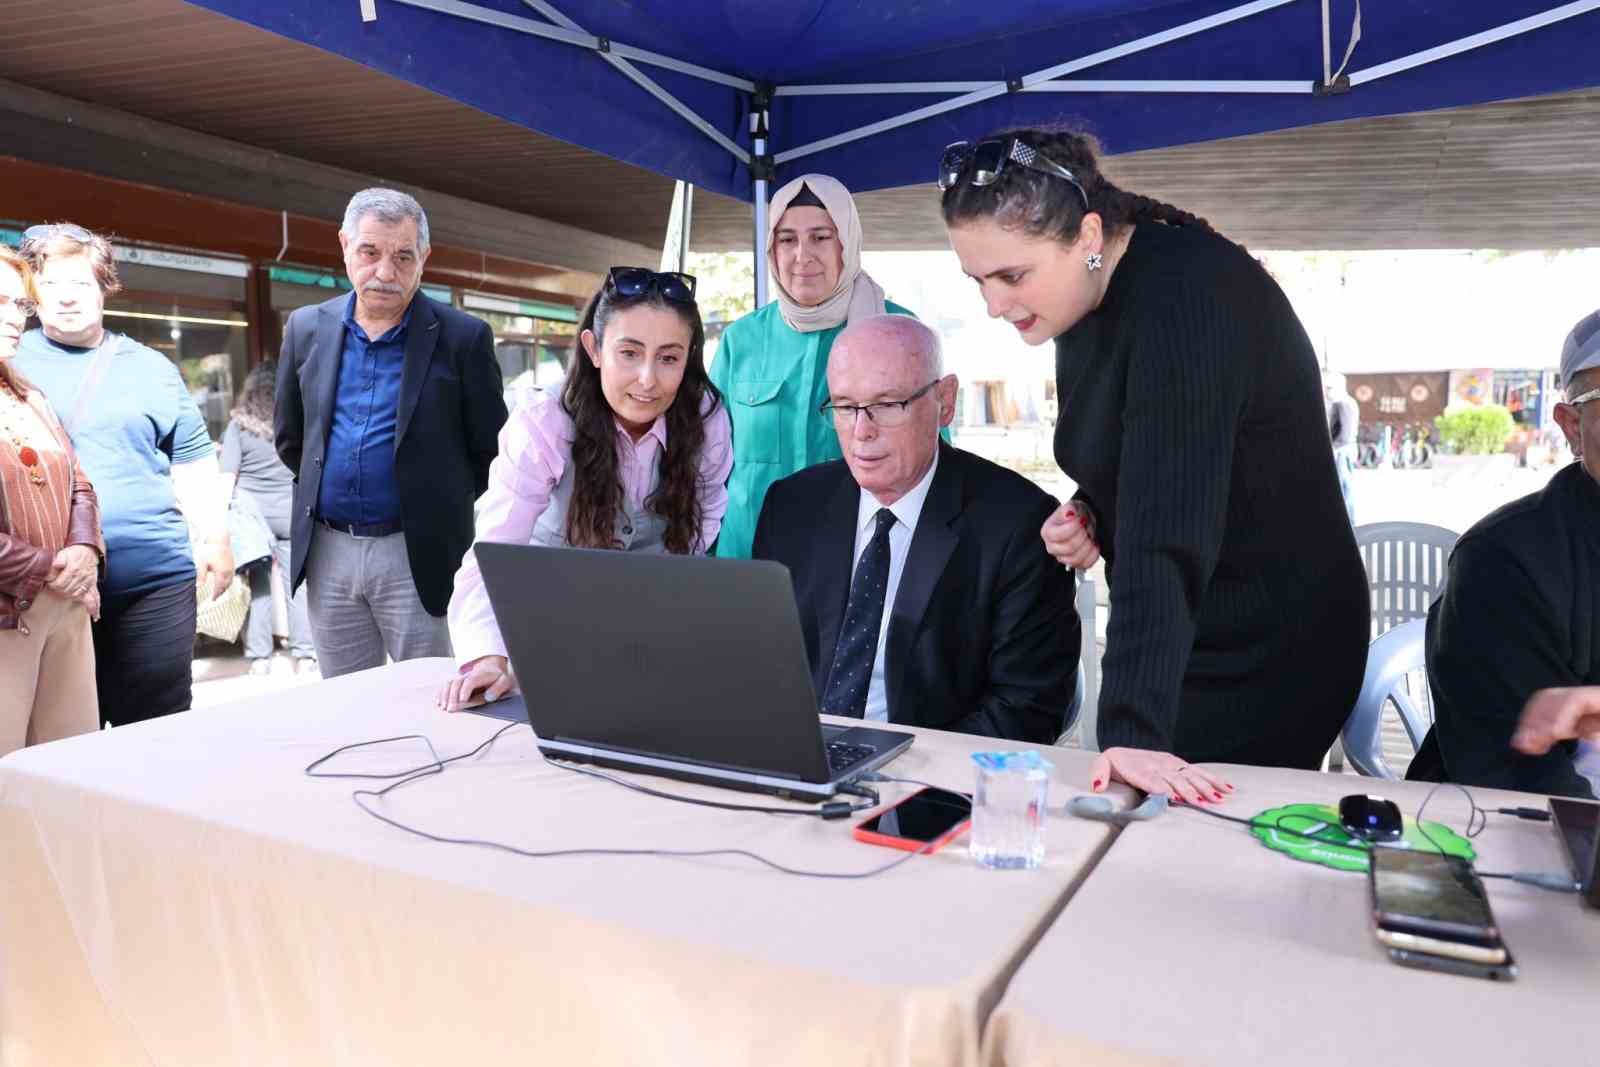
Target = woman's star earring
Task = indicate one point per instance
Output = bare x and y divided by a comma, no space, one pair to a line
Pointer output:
1094,261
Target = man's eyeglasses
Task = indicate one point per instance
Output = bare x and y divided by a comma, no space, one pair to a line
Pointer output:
1584,398
637,281
45,231
885,413
985,161
22,305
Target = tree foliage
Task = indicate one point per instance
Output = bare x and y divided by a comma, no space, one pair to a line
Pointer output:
1475,431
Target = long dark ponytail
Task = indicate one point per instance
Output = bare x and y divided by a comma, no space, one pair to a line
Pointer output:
1043,205
597,483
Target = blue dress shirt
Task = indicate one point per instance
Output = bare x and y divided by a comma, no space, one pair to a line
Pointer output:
358,484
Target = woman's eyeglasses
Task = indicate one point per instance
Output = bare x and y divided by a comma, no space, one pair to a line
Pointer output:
22,306
983,163
637,281
885,413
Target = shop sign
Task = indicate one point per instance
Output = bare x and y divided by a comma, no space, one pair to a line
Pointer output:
160,257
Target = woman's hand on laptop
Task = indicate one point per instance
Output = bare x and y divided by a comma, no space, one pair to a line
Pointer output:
483,681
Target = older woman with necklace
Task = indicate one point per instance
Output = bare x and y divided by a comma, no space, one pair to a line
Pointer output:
50,551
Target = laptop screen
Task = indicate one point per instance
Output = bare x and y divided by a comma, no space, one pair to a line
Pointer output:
1577,823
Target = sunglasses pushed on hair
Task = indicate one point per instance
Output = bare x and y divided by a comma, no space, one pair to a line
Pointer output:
982,163
46,230
637,281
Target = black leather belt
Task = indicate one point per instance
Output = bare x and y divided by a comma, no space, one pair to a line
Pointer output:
364,529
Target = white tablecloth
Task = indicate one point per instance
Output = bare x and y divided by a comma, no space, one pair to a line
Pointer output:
179,892
1192,943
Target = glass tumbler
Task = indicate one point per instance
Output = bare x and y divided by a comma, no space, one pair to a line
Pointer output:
1008,809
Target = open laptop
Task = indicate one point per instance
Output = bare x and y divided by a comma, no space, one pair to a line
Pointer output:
1577,823
682,666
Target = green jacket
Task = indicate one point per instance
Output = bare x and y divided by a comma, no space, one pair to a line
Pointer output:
774,379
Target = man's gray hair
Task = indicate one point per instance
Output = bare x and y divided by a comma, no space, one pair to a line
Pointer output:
390,206
912,333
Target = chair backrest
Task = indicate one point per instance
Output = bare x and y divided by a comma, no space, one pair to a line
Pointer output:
1391,661
1406,567
1074,709
1085,708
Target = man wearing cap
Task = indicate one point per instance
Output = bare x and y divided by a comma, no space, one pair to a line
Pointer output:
1521,611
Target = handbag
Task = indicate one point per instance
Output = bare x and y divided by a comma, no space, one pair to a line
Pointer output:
222,616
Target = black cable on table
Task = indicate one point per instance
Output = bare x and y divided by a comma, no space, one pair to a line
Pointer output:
437,766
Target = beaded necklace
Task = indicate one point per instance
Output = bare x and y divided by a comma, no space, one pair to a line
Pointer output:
25,453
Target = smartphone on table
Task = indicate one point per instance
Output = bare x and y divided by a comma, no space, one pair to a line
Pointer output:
925,821
1430,910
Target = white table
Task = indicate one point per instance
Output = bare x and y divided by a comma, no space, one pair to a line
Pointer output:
179,892
1194,944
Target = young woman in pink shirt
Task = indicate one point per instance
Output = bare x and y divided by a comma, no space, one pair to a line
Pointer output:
631,453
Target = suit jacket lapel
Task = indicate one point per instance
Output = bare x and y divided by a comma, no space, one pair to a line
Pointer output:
421,337
836,551
327,352
931,547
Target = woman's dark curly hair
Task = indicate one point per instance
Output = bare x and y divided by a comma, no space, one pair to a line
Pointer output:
1044,205
597,484
257,400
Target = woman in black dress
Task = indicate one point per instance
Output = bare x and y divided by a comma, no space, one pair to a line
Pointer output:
1191,418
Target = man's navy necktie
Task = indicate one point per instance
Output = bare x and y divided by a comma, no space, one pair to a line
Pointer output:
857,647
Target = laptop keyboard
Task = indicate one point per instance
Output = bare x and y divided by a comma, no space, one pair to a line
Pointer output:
842,756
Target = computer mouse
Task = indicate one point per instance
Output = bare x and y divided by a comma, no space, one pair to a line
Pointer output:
1370,818
1100,809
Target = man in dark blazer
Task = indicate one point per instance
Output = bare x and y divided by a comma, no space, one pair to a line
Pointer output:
389,410
925,592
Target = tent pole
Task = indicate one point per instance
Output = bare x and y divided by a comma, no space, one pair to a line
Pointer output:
760,194
1071,66
1076,85
680,219
1477,40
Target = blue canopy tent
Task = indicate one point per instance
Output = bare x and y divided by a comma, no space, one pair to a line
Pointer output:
732,95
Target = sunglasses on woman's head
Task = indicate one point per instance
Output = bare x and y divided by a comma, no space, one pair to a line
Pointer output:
46,230
983,162
637,281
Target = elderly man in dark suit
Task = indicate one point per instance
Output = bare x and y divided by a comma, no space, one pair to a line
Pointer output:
926,595
389,409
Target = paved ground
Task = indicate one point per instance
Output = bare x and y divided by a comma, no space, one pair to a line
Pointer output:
221,676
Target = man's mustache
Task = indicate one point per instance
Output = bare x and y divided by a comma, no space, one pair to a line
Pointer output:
383,287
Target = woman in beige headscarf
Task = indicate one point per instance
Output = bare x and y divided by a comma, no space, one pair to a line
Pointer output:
772,365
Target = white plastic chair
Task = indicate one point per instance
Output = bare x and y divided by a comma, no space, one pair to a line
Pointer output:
1086,696
1075,708
1407,563
1391,662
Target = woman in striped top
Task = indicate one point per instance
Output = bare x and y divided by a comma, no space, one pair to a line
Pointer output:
50,551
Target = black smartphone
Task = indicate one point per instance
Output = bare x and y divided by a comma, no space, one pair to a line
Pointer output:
1504,971
925,821
1430,895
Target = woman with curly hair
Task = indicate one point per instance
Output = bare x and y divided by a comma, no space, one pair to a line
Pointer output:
632,454
1191,419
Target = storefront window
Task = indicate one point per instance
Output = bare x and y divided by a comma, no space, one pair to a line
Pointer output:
191,309
532,341
209,346
1521,393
